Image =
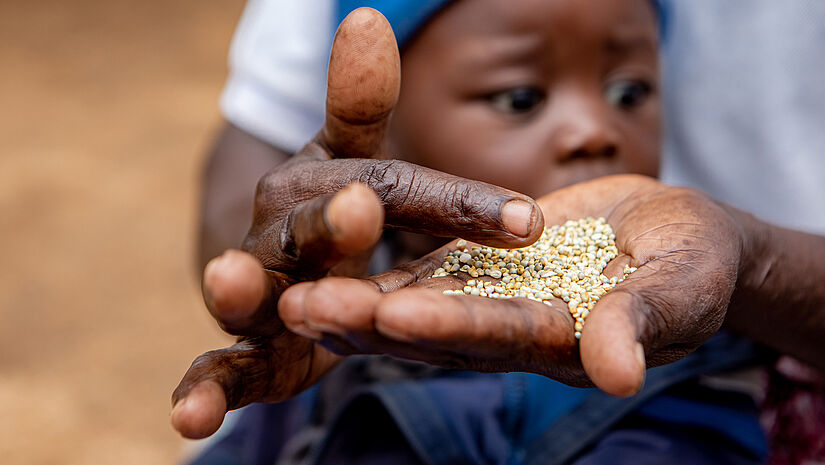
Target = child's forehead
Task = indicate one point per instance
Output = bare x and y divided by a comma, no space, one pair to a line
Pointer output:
479,35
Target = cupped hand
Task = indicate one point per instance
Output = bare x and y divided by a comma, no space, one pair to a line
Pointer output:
320,214
686,247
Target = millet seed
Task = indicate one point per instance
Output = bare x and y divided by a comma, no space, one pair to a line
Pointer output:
567,262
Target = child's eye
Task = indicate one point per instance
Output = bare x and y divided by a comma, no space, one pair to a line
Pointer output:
627,94
518,100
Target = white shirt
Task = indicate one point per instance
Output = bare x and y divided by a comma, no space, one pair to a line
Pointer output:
744,88
277,70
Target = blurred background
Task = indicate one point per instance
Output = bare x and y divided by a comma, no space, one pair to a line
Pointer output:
106,110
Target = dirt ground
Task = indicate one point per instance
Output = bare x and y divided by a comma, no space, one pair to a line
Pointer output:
106,108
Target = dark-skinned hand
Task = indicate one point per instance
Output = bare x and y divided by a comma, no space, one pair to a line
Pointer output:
320,214
687,249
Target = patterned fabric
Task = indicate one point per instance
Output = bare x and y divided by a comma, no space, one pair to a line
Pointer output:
793,414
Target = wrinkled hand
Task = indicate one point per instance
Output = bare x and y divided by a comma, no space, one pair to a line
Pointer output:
320,214
687,250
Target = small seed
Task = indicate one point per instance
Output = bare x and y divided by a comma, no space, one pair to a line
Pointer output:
567,262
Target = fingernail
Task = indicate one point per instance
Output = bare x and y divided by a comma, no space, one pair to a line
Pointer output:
302,330
214,263
177,407
392,333
208,275
640,357
517,217
323,326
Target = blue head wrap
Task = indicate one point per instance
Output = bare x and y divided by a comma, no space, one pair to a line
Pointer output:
407,16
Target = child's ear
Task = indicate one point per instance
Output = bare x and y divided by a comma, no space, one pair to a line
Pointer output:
363,84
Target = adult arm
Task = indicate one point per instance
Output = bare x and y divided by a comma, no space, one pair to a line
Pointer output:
779,298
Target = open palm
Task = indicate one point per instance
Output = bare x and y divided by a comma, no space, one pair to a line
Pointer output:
686,249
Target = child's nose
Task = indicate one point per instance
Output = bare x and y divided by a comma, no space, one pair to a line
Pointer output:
585,133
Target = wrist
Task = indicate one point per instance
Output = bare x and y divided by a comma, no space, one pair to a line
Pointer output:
778,299
756,253
755,263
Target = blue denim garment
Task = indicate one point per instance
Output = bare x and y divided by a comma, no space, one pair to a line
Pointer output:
472,418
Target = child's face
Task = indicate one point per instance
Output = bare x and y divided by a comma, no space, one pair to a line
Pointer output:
532,95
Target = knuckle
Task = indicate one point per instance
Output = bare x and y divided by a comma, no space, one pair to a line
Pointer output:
269,184
284,187
385,177
470,204
403,186
207,363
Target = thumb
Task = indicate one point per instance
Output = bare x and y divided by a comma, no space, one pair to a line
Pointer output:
362,85
611,354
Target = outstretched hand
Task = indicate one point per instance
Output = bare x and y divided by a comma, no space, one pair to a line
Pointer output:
319,214
687,250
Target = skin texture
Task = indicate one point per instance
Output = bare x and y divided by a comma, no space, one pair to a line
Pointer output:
779,299
694,255
678,238
701,263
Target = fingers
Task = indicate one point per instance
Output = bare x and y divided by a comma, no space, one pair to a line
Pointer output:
424,324
610,352
355,218
332,305
417,272
316,235
363,84
240,294
644,322
201,412
475,333
216,382
253,370
518,330
320,232
431,202
414,198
